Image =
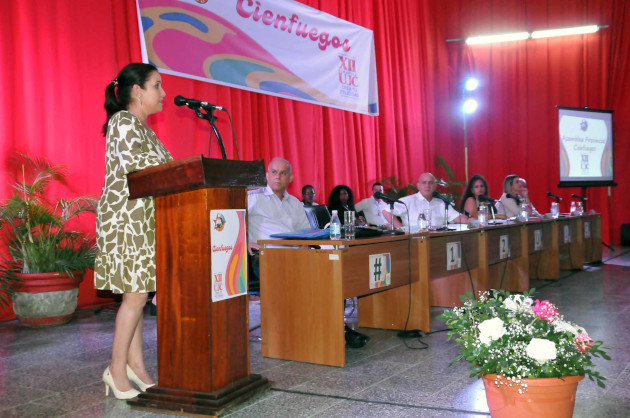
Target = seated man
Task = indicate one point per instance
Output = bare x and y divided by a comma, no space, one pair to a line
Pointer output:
273,210
373,208
524,195
308,196
424,199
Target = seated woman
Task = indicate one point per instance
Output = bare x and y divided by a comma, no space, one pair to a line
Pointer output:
475,194
341,199
515,193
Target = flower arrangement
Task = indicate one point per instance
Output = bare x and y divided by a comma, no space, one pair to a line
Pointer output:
517,337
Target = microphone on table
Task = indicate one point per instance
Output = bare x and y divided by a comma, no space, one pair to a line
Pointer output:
443,198
558,198
485,198
510,196
382,196
196,104
582,198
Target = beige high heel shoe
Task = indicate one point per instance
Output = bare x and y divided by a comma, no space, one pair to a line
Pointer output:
135,379
109,383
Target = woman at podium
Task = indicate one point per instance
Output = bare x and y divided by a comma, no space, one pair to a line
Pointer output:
125,263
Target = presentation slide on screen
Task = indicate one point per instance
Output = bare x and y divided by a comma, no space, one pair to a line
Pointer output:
586,145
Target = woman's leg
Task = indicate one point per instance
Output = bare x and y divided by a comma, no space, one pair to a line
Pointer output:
127,320
135,356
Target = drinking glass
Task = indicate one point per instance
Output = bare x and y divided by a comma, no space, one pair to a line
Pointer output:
427,217
482,215
580,208
555,210
348,224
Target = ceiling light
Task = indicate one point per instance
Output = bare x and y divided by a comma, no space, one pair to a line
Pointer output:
564,31
505,37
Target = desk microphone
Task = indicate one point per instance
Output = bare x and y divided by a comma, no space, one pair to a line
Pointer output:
485,198
388,199
558,198
443,198
518,199
582,198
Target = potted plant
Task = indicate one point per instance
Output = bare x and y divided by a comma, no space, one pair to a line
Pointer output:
42,260
530,358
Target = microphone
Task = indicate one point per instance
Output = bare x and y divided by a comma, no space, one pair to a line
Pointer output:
382,196
558,198
582,198
196,104
485,198
518,199
443,198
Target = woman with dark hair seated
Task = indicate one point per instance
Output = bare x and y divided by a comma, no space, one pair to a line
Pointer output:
475,194
341,199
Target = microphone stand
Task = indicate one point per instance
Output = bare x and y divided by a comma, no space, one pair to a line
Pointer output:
391,230
447,203
209,116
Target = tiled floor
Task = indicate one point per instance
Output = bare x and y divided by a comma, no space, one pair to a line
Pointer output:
57,371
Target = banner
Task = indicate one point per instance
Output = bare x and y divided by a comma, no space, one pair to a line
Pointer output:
228,253
277,47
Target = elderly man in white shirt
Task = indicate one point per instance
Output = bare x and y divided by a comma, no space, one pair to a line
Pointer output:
417,203
272,209
373,208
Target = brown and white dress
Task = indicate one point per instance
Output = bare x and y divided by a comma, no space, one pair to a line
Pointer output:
126,228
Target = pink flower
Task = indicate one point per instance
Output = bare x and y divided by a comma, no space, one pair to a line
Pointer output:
545,310
583,342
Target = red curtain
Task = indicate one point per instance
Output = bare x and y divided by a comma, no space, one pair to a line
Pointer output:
58,55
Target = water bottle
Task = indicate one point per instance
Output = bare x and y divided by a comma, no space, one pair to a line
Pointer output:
573,208
335,226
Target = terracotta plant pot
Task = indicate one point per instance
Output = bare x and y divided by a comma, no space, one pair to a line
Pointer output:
544,397
45,299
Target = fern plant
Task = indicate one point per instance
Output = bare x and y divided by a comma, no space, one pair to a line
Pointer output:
34,231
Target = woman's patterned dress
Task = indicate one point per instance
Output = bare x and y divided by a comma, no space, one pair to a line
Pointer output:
126,228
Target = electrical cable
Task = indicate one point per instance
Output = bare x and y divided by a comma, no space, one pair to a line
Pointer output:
405,333
238,155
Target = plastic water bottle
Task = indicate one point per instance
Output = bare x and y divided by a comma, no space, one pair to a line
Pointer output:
335,226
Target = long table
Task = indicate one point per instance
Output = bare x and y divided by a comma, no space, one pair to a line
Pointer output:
302,289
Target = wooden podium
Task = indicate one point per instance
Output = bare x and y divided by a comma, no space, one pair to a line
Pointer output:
203,346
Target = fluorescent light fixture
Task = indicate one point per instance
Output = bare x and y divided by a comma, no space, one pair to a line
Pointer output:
505,37
470,106
578,30
471,83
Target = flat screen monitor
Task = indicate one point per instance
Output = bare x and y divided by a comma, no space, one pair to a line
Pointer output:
586,147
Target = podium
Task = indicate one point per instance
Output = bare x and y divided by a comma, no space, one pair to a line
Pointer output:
203,346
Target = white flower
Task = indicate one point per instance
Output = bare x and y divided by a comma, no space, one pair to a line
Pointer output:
541,350
490,330
563,326
518,303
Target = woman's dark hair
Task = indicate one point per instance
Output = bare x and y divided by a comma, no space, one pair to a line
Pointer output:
118,91
334,202
469,193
